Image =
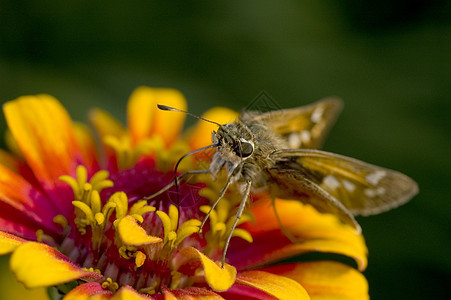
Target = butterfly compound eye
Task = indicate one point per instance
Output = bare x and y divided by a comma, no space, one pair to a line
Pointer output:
246,149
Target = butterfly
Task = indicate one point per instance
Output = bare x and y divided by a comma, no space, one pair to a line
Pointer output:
277,151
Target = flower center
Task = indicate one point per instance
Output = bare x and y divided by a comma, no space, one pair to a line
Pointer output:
128,240
135,242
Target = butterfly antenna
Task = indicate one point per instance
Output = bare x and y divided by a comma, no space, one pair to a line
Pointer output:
178,163
168,108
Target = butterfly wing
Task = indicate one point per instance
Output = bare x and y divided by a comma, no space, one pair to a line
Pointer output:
301,127
362,188
291,184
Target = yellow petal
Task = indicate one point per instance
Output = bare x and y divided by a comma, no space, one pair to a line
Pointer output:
168,125
38,265
133,234
128,293
278,286
315,232
9,161
141,108
145,119
11,289
200,135
86,144
167,294
326,279
219,279
43,131
9,242
105,124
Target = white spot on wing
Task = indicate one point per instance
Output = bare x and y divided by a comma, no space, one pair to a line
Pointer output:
331,182
349,186
380,190
374,192
369,193
305,136
317,115
375,177
294,140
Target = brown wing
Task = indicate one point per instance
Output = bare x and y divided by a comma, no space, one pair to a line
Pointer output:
302,127
291,184
362,188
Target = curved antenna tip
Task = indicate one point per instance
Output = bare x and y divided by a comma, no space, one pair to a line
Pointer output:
168,108
164,107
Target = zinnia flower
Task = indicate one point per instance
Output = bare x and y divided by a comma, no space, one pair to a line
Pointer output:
74,219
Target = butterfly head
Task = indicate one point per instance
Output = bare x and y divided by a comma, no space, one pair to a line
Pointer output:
234,141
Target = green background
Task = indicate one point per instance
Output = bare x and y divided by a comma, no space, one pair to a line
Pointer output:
389,60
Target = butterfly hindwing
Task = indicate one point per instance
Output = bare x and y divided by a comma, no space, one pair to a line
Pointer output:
293,185
364,189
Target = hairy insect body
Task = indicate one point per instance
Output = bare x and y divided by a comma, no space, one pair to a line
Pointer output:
241,167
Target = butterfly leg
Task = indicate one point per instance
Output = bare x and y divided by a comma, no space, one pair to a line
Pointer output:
173,183
221,194
238,216
284,230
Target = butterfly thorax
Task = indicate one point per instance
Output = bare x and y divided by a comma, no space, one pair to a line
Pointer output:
244,150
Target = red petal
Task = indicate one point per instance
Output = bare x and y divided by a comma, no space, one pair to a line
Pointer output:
19,194
86,290
192,293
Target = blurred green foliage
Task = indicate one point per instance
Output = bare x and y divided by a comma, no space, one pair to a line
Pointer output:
389,60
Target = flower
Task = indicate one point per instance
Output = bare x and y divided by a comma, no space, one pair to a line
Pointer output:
83,223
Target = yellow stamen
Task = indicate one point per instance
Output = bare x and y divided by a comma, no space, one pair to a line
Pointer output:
150,289
173,236
166,224
140,258
41,236
82,175
174,216
127,251
85,209
221,223
140,208
96,203
83,189
92,270
60,219
186,229
176,278
241,233
110,284
121,207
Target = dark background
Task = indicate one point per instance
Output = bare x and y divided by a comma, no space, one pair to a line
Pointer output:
389,60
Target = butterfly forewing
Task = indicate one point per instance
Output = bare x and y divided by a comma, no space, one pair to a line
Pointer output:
301,127
364,189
